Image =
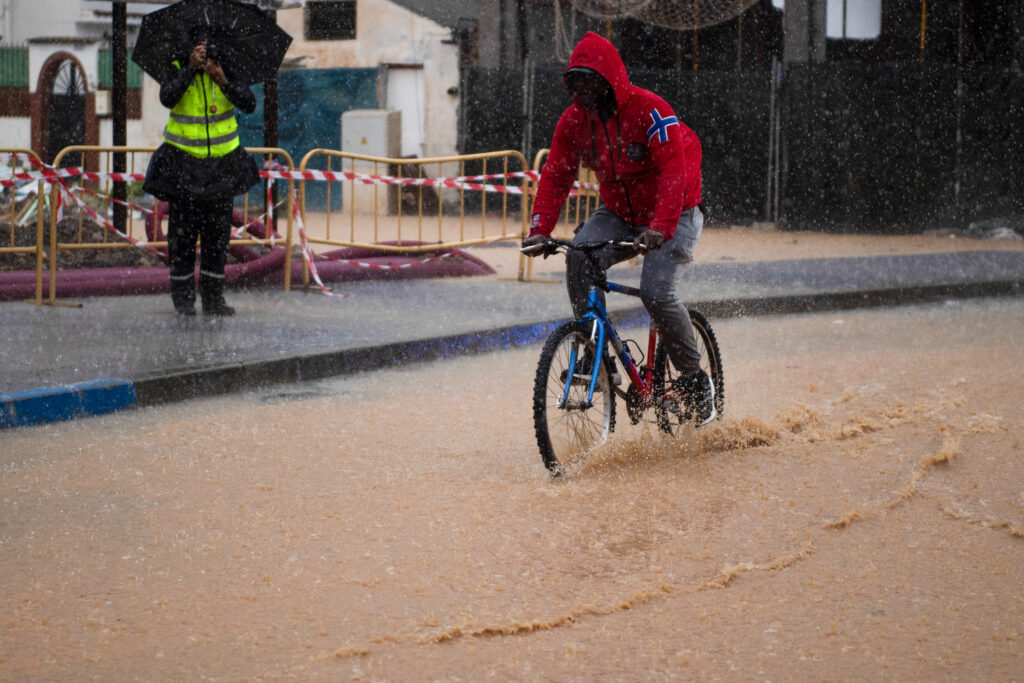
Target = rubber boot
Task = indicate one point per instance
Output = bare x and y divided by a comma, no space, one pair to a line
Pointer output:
183,295
211,290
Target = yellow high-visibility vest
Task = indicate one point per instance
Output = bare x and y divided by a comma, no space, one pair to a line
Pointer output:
203,122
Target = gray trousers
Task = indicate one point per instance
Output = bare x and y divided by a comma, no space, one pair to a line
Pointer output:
658,277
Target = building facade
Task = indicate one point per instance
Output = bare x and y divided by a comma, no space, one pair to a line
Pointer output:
416,61
55,71
55,75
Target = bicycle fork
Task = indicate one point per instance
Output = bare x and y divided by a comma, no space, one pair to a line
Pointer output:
597,338
601,331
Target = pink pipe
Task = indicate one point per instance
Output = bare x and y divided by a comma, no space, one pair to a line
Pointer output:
265,270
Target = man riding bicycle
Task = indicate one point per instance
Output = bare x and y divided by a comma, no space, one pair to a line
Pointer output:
648,165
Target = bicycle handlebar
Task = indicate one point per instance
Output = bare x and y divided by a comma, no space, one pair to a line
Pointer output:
553,245
597,273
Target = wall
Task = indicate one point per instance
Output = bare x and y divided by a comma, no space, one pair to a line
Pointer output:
147,131
310,105
15,132
26,19
389,34
22,20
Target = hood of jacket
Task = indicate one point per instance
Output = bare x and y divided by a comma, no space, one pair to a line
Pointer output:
595,52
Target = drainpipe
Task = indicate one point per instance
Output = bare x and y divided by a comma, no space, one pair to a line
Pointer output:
119,96
270,138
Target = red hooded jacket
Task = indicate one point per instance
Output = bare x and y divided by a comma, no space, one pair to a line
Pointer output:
646,160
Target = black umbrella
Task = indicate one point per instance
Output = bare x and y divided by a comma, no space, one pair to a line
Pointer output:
241,37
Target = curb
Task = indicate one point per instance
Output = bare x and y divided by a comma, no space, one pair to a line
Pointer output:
221,379
66,402
877,298
224,379
102,396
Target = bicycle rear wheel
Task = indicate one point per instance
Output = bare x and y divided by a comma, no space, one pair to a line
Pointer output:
566,433
669,408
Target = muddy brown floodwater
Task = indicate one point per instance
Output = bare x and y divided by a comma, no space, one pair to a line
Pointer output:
858,515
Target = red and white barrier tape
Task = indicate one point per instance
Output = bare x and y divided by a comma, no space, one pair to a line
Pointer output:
50,175
369,179
112,200
377,266
66,191
457,183
235,232
307,253
269,214
53,175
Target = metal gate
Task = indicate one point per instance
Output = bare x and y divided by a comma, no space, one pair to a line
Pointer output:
67,113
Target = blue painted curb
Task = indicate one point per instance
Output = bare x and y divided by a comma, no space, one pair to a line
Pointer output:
66,402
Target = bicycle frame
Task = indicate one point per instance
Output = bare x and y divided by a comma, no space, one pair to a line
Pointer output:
574,391
603,331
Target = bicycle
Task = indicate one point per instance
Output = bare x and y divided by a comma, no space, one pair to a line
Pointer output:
574,407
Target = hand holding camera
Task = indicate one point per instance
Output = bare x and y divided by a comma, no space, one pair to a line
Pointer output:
204,58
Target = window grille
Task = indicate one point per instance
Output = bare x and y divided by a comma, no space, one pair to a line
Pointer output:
330,19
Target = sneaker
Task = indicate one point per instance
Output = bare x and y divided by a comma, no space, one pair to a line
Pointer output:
698,392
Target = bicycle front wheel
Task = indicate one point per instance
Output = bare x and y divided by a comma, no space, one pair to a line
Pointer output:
567,431
669,408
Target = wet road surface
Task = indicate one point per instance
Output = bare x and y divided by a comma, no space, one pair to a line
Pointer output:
858,514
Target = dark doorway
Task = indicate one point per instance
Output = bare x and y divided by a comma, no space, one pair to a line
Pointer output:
67,113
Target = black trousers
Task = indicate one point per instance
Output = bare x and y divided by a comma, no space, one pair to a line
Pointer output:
209,222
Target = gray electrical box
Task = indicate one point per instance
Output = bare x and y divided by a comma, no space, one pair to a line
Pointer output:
372,132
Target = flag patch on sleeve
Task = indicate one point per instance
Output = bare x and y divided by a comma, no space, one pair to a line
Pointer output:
660,126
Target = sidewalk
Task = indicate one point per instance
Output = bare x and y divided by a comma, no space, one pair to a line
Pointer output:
116,352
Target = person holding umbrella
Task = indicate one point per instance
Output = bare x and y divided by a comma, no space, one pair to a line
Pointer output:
198,170
205,54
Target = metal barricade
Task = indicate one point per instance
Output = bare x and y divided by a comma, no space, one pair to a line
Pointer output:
411,205
580,203
275,171
90,189
22,162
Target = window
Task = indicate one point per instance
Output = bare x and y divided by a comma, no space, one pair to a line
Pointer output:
13,67
849,19
330,19
854,19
